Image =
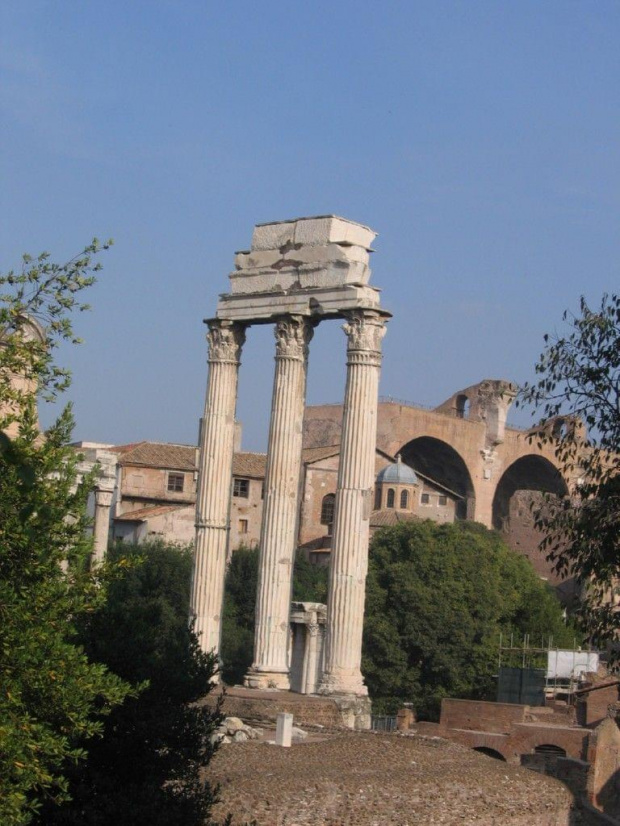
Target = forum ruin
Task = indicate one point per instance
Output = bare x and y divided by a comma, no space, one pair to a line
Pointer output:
331,475
297,274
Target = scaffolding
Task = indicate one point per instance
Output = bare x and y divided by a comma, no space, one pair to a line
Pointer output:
562,668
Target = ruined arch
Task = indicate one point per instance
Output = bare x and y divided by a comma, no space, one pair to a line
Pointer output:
551,749
529,473
440,462
496,755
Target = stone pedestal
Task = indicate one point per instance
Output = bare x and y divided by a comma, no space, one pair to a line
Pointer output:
349,555
225,339
270,668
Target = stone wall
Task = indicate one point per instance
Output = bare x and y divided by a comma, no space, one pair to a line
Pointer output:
498,718
604,778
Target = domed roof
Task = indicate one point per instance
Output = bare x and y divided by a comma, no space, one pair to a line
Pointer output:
397,474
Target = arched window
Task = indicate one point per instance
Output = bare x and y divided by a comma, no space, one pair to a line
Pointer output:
327,509
378,499
390,498
462,406
404,500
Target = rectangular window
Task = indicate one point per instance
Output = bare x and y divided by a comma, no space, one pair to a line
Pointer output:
443,501
243,526
241,487
425,498
176,482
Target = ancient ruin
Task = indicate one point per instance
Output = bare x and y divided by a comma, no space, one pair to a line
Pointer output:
297,274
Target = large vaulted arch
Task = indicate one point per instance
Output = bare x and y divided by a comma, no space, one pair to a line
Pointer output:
440,462
529,473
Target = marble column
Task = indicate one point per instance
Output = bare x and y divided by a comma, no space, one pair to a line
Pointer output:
101,526
270,668
356,475
225,340
310,655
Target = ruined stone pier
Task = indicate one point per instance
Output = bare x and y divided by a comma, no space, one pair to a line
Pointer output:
296,274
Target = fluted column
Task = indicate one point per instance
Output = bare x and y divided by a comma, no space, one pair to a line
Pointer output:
225,340
270,668
349,550
101,526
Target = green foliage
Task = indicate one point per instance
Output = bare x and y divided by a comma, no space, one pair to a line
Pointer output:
52,699
309,581
579,378
238,616
437,599
42,295
148,766
309,585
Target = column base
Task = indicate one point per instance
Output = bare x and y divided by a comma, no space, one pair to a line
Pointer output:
348,685
354,709
267,680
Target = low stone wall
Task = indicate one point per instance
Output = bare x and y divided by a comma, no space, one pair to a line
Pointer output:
497,718
604,758
261,708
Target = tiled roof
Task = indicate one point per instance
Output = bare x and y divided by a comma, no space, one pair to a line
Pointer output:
160,455
314,454
250,464
389,517
142,514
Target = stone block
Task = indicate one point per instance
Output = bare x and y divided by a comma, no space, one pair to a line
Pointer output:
273,236
257,259
322,303
233,724
284,729
328,253
267,281
317,276
328,229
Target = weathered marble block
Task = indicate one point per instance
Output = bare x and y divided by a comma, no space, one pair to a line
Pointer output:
318,230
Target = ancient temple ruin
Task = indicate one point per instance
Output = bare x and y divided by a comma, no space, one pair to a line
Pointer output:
297,274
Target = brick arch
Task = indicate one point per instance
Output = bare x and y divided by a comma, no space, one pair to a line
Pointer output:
490,752
440,461
529,472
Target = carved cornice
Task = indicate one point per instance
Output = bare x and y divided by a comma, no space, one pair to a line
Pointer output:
293,335
365,330
225,340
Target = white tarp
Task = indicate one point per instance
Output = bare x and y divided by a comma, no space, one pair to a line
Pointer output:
562,665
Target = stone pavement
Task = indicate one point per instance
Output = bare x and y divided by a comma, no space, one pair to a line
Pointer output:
368,779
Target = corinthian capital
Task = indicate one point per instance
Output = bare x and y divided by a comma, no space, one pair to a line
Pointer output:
225,339
365,330
293,334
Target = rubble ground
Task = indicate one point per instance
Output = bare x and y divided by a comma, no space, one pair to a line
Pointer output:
369,779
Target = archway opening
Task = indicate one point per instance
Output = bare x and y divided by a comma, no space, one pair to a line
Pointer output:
550,748
440,462
462,406
496,755
530,473
520,495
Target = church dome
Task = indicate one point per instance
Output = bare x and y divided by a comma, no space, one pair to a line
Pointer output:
397,473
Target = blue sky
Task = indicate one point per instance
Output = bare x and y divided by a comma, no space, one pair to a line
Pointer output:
480,139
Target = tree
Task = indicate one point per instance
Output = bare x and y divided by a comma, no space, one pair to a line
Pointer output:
437,599
577,400
148,765
52,699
